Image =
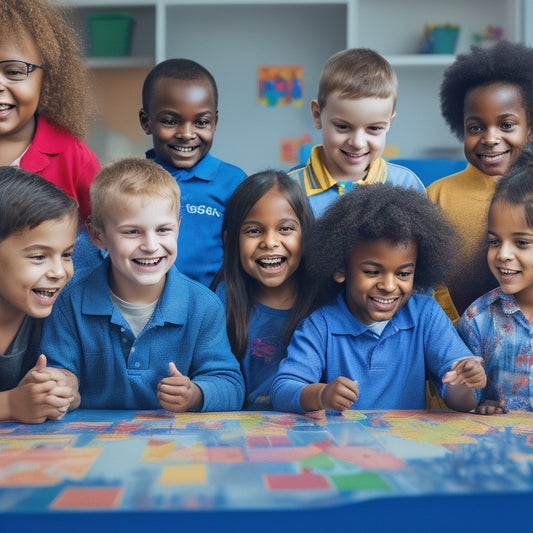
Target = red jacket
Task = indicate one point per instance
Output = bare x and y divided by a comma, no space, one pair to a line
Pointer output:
61,158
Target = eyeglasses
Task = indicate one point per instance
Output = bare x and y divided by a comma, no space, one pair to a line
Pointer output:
15,70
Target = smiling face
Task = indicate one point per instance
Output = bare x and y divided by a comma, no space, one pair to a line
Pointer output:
354,133
36,264
379,279
140,234
270,248
510,253
19,99
182,119
496,127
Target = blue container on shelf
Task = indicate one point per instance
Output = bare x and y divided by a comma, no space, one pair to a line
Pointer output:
444,39
110,33
439,39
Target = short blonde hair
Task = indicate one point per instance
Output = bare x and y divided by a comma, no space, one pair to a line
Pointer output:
357,73
130,177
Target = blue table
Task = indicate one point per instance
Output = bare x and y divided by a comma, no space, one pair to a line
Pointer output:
402,471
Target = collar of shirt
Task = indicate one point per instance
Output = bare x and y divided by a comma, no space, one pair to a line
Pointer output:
96,298
205,169
347,324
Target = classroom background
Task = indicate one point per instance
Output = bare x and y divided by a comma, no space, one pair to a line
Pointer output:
266,58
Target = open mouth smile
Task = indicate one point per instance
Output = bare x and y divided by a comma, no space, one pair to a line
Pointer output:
46,293
271,262
148,262
184,149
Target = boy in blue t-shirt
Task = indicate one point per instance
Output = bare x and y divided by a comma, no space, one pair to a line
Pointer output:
136,332
180,111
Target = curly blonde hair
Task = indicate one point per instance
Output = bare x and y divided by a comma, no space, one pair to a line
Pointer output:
64,98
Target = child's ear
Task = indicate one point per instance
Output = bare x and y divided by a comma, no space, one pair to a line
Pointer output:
96,235
339,275
315,114
144,121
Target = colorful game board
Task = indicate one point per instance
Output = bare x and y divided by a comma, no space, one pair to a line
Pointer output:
122,460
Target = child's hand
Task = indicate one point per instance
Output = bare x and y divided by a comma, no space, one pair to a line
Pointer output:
178,393
491,407
38,396
340,394
66,384
469,372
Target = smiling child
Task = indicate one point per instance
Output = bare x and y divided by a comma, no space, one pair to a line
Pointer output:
38,224
180,112
137,333
377,337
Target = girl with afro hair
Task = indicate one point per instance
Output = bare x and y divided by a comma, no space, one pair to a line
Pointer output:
487,100
378,336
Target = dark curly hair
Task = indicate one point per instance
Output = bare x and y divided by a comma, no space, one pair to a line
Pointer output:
381,211
65,97
502,62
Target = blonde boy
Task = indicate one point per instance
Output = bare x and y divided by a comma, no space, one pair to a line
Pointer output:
136,332
355,109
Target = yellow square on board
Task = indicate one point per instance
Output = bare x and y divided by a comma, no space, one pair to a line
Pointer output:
184,474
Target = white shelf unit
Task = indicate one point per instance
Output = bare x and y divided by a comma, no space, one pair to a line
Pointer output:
233,38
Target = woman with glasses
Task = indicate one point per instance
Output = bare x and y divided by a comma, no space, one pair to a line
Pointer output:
44,98
44,109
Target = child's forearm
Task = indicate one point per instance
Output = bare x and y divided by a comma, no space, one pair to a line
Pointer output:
311,397
460,398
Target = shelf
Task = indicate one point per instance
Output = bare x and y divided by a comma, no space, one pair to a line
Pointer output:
237,36
119,62
420,60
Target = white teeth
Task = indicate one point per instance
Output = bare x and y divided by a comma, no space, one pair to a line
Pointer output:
148,262
491,156
45,293
504,271
271,261
3,107
384,302
184,148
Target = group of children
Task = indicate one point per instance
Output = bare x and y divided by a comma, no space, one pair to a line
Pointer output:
198,288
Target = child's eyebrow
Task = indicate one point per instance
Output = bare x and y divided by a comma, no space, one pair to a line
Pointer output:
499,117
376,264
38,247
280,221
514,234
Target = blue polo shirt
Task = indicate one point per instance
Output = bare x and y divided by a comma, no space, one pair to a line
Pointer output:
88,335
205,190
418,342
